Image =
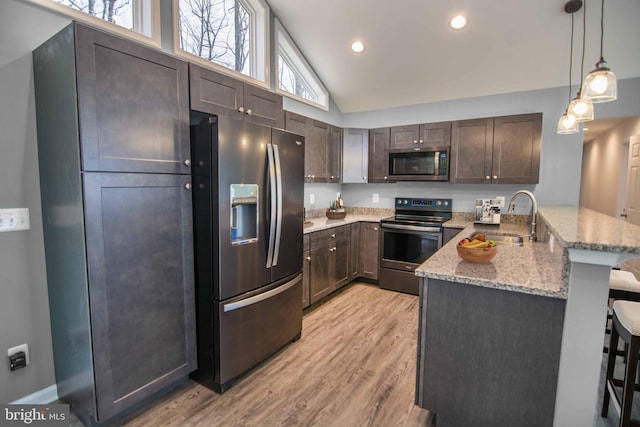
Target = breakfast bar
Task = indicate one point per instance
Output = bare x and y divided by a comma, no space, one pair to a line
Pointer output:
518,340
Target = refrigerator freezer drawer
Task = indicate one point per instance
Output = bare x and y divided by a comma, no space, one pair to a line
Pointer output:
252,329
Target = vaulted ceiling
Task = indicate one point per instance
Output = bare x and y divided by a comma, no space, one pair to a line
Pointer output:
413,57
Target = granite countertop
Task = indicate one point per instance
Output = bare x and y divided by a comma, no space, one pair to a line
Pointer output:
580,228
323,223
531,269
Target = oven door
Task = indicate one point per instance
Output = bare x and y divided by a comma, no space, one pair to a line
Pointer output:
405,247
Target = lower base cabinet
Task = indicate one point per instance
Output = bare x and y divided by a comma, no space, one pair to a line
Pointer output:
334,257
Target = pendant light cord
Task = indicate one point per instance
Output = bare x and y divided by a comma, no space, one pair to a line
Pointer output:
571,58
601,29
584,26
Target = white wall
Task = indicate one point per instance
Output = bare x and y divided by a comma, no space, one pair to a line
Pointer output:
604,168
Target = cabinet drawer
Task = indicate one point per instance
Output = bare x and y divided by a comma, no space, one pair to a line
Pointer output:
325,237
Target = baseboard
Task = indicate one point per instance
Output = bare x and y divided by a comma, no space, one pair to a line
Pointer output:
40,397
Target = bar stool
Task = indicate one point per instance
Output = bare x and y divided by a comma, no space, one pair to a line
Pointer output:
624,285
625,325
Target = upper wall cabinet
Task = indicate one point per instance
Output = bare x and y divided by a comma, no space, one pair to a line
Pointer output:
133,106
417,136
501,150
379,155
216,93
355,155
323,147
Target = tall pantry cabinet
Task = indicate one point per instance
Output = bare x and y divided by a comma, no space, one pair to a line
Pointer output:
113,146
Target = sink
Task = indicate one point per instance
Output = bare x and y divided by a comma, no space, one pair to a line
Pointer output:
506,239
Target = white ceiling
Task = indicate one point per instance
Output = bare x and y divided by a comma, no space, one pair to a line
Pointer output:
413,57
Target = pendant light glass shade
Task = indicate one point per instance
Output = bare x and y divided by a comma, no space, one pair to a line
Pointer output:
600,84
581,109
567,124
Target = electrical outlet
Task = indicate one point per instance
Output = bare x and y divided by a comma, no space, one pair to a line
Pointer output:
312,199
552,242
375,198
13,351
14,219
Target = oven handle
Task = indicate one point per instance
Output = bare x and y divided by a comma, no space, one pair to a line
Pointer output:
412,228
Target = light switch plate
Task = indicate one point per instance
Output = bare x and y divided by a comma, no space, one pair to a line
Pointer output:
14,219
375,198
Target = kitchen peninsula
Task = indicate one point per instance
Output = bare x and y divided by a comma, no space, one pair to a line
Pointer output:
519,340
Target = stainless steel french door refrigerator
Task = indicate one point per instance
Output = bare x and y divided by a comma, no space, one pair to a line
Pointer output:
248,195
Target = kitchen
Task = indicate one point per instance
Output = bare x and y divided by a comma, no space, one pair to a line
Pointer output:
560,173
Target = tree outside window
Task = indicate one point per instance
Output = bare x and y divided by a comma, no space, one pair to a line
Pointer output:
218,31
119,12
290,82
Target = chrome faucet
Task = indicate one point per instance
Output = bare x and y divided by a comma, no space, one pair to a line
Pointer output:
534,210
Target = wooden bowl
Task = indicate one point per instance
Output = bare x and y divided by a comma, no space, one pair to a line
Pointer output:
339,214
477,255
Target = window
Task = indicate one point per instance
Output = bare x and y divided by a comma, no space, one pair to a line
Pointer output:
137,16
295,76
230,33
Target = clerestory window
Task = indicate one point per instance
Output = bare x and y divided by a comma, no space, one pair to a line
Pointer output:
295,77
229,33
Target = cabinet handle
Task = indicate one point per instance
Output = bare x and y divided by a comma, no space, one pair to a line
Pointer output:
187,186
333,236
386,178
332,177
375,228
421,142
415,141
249,112
495,177
241,109
487,177
187,162
308,258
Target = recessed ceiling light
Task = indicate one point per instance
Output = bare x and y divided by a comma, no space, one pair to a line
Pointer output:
458,22
357,46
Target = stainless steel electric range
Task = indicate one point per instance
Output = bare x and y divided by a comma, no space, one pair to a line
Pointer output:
408,238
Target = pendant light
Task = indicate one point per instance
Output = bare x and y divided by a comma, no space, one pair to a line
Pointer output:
600,84
582,109
568,123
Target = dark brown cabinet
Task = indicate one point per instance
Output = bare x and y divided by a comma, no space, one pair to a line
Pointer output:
216,93
323,148
334,154
355,155
306,271
133,106
113,149
368,250
354,261
379,155
504,150
329,264
418,136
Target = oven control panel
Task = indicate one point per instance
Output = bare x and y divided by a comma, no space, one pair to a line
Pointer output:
420,203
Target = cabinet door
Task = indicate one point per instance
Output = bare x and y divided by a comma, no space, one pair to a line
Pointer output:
436,134
341,258
133,106
354,259
405,137
355,155
263,106
316,152
215,93
516,149
471,151
379,155
334,154
322,272
369,250
140,267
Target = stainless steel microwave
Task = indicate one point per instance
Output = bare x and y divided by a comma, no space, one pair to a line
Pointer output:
425,164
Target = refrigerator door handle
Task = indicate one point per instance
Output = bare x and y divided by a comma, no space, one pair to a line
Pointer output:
276,247
261,297
272,225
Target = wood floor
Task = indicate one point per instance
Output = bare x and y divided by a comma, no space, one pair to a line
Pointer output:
353,366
